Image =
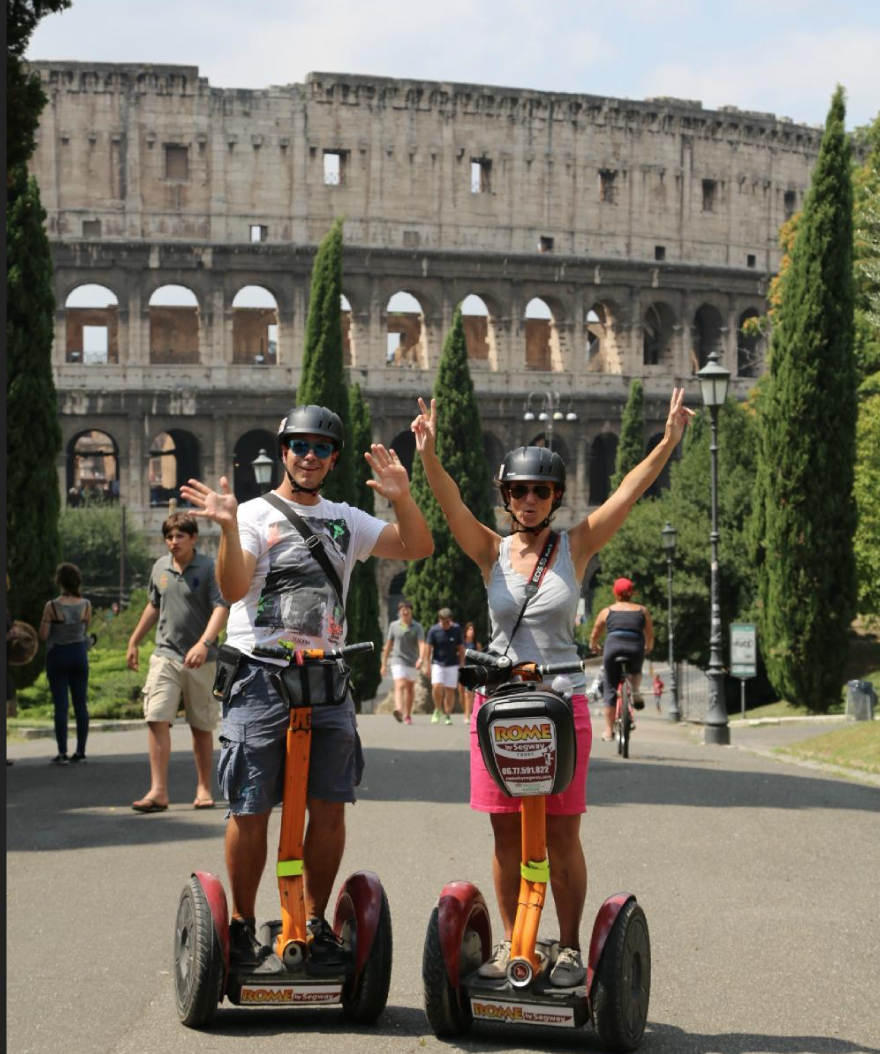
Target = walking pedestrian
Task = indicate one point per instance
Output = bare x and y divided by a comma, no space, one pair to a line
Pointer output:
405,643
467,696
445,656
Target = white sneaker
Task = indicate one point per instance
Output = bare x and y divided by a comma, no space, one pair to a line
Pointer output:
495,967
568,970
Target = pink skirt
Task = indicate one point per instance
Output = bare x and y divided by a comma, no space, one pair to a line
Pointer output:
487,797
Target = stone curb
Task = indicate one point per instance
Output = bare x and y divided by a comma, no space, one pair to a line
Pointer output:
839,771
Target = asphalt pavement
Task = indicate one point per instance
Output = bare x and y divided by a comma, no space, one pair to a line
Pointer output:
760,880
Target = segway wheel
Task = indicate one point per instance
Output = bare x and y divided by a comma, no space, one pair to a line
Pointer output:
448,1009
623,981
198,958
365,994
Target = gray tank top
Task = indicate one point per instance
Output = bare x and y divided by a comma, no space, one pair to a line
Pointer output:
546,633
72,630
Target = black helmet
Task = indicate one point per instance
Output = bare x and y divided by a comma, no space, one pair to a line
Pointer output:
311,420
532,462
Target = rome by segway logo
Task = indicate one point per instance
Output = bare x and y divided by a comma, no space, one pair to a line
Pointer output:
515,736
264,994
495,1010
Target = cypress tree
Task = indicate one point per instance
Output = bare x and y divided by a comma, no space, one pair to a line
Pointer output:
631,448
448,578
363,594
323,376
808,414
33,434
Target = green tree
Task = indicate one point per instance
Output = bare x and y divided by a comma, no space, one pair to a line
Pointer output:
363,594
33,434
867,495
323,380
866,255
24,96
806,518
91,538
449,578
631,448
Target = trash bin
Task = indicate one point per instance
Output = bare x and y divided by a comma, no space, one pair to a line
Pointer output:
860,700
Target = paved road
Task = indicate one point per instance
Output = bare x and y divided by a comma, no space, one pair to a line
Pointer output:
760,879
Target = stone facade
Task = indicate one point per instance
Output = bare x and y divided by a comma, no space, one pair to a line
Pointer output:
647,229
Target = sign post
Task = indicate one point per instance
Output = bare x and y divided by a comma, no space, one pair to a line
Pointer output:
743,656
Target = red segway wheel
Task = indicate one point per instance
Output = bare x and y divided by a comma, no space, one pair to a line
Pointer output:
623,981
448,1009
198,958
366,992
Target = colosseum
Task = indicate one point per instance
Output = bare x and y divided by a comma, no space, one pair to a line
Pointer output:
590,240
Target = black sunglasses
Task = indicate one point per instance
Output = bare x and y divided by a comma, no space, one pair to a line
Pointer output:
301,447
541,490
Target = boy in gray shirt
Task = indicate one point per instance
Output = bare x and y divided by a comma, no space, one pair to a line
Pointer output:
405,642
186,604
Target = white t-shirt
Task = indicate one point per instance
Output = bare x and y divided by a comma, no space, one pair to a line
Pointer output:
290,597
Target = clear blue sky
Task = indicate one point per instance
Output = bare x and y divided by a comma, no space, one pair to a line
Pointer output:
778,56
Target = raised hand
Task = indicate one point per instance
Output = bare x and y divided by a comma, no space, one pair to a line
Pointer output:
424,427
391,480
221,507
679,415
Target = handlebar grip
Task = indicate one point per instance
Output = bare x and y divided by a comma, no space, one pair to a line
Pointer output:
355,649
553,668
485,658
272,651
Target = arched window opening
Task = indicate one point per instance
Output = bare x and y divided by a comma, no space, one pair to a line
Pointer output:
603,452
174,326
404,445
657,330
542,337
395,594
602,351
479,332
174,458
247,449
407,345
92,469
254,327
92,326
750,347
348,340
707,335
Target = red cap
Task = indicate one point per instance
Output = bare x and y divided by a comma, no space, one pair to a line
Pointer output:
623,588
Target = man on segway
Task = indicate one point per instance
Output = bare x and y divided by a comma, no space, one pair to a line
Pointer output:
273,579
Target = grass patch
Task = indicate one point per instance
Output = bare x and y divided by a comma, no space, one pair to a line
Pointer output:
784,709
855,747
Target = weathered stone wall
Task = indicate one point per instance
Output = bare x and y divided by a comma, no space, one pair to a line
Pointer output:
648,229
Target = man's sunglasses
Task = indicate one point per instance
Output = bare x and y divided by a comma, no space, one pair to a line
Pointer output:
541,490
301,447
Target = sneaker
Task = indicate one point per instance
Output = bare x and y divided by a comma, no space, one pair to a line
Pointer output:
77,757
435,718
60,759
495,967
244,948
448,720
326,950
568,970
638,702
407,720
398,717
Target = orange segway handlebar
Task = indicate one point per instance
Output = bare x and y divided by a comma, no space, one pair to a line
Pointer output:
270,651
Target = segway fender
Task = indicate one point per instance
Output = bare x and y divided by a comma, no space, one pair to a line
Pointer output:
365,895
602,927
461,905
216,897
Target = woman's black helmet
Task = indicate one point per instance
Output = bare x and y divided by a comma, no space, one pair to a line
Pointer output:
532,462
311,420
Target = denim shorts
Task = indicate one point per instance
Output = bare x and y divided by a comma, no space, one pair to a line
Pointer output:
253,741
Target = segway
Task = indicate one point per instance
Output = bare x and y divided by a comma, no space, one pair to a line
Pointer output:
527,738
283,976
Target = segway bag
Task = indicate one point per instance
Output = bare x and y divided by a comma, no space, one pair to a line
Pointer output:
322,682
527,739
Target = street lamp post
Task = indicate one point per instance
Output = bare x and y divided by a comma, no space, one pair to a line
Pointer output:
668,535
549,412
263,466
714,379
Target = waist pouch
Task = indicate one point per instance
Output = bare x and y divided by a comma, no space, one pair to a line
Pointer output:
228,662
322,682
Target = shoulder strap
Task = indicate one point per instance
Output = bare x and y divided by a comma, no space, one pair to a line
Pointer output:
313,543
543,562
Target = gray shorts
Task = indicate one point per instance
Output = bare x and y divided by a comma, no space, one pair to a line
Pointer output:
253,740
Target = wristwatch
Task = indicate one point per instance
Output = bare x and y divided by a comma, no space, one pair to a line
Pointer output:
208,643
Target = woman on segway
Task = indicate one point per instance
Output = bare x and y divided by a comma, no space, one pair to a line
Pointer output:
540,629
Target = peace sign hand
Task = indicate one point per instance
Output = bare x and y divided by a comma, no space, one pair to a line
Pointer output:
679,416
424,428
209,504
391,481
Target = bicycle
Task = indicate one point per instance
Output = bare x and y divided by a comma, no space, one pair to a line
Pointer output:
624,714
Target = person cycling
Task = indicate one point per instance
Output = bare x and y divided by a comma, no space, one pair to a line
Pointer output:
630,633
532,484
